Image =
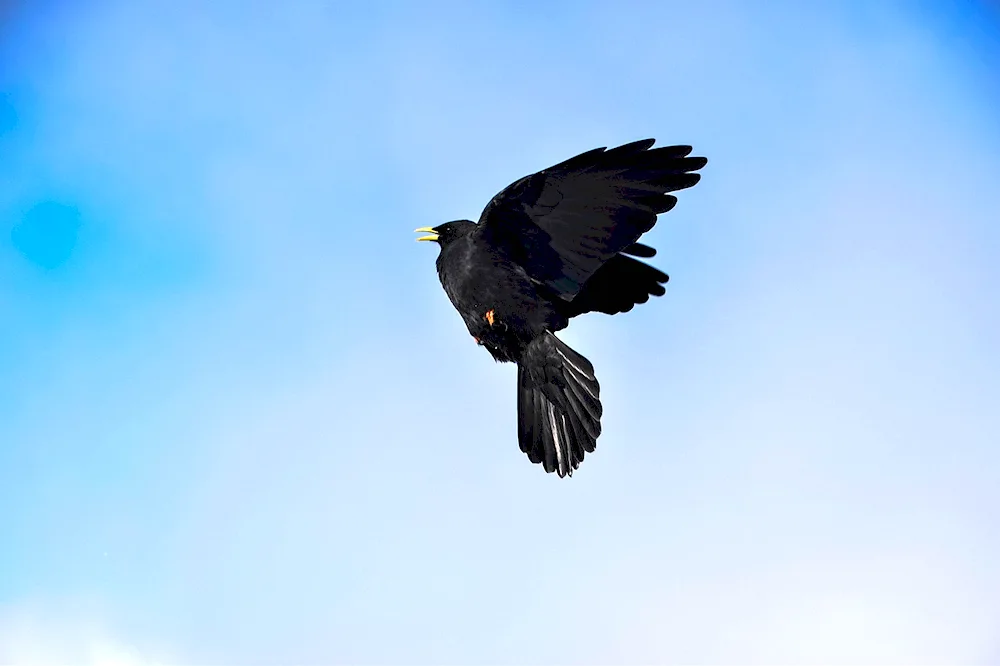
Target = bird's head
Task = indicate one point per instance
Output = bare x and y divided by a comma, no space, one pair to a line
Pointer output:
445,233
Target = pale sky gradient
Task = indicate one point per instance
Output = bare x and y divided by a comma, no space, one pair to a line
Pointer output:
240,423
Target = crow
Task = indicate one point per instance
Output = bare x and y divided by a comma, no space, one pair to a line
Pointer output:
554,245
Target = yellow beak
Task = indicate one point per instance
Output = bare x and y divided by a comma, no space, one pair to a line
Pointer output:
426,230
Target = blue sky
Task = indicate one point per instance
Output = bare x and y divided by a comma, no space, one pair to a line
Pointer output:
240,422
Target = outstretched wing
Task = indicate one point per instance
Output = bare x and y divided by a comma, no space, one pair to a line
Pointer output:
561,224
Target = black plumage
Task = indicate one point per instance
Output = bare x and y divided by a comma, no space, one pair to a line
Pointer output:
552,246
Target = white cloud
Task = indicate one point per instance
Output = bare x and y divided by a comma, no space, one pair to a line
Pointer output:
30,636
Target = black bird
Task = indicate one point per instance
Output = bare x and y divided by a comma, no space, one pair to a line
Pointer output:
551,246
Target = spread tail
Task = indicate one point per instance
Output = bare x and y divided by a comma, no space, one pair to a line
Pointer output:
558,405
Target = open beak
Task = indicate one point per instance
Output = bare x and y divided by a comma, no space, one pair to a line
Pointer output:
426,230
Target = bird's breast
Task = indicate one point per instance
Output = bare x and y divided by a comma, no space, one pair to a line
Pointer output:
497,300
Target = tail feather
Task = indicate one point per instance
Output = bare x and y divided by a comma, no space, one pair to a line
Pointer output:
558,405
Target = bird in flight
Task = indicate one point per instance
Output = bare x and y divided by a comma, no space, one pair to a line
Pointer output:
552,246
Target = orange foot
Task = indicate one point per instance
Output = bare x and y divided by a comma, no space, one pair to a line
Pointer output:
489,316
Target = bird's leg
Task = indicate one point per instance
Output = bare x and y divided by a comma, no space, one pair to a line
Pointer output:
478,341
489,317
